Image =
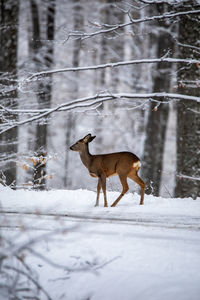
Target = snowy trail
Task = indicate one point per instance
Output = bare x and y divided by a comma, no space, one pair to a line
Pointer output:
179,222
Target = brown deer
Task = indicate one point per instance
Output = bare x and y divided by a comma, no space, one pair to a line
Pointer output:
102,166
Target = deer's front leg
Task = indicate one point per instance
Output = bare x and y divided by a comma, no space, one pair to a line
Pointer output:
103,185
98,191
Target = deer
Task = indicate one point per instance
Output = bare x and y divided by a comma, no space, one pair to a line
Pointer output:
101,166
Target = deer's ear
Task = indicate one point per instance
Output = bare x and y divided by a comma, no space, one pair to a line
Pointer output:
91,138
86,138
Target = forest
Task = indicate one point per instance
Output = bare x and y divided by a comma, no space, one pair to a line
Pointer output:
125,71
128,73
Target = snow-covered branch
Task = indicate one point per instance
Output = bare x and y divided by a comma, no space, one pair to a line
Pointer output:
84,35
188,177
66,106
113,65
161,1
91,101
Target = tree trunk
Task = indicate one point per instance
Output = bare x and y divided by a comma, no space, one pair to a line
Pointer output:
188,112
78,23
158,115
44,87
9,12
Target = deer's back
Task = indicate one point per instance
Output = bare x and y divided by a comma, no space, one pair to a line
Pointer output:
114,163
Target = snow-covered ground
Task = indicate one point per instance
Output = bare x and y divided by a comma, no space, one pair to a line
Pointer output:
127,252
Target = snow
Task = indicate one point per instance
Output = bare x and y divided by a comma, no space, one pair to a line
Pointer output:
127,252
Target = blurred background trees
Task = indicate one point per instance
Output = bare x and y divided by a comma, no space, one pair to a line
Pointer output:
40,36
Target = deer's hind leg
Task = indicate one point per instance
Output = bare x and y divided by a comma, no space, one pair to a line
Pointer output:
123,179
134,176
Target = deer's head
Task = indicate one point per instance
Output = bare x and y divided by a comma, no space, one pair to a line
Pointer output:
80,144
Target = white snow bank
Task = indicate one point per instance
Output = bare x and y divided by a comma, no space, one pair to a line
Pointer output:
76,200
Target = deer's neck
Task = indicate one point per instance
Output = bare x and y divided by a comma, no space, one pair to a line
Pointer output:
86,157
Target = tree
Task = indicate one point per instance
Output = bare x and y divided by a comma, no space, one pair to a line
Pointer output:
188,113
9,10
42,57
78,23
158,112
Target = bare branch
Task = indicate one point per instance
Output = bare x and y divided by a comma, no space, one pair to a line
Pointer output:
98,98
62,107
114,65
84,35
162,1
27,275
188,177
